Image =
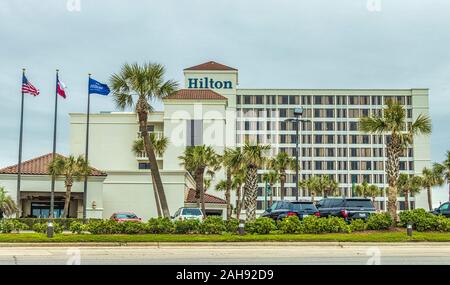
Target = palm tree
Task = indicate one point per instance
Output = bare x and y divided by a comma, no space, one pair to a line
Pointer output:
331,186
232,162
393,122
72,168
8,206
237,182
160,146
430,178
147,83
254,157
362,189
315,186
444,169
271,178
280,163
409,185
198,160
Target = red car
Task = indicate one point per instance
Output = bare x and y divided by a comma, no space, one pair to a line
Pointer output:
125,217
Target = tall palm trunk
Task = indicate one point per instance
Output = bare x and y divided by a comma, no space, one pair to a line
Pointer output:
68,183
199,190
313,196
149,150
228,195
158,204
282,181
251,193
373,200
238,202
406,200
392,169
430,202
271,196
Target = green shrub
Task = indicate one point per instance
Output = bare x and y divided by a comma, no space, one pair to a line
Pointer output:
212,225
160,226
64,222
358,225
316,225
187,226
42,228
131,228
442,224
260,226
291,225
422,220
10,225
76,227
379,221
103,227
232,225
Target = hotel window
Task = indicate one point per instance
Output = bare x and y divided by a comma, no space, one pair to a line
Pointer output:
365,139
318,139
410,152
341,100
366,177
282,138
306,139
342,152
365,112
329,126
342,178
306,100
306,151
317,126
409,113
353,126
377,139
271,100
402,165
364,100
194,132
354,178
238,99
330,152
283,113
150,128
376,100
318,165
354,165
341,113
317,113
259,99
411,165
247,126
247,99
354,152
293,138
353,113
365,152
283,100
293,100
366,165
318,100
353,100
144,165
330,139
329,113
329,100
342,126
330,165
306,126
283,126
409,100
377,112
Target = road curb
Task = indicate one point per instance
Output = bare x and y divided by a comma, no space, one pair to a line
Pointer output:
222,244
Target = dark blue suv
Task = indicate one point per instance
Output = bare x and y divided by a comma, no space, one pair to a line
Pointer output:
283,209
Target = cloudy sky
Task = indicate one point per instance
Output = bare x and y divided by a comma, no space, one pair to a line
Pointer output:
276,44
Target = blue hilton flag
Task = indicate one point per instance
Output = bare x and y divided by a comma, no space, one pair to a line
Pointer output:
96,87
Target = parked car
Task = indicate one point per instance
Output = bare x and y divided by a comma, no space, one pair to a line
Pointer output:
188,214
443,209
282,209
125,217
347,208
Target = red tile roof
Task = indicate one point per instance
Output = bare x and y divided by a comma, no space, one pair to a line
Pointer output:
210,65
210,199
196,94
39,166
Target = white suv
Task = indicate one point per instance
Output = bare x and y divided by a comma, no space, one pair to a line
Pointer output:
188,214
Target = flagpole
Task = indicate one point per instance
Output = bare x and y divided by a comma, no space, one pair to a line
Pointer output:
87,151
19,163
52,193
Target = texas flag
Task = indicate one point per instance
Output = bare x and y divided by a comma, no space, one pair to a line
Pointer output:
61,89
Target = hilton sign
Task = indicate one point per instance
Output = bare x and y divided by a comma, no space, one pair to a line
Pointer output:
209,83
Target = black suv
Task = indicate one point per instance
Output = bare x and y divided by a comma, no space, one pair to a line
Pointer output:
443,209
347,208
283,209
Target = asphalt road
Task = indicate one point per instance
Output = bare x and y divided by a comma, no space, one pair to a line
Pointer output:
301,253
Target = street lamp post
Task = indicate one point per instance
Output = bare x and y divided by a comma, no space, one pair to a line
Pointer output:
298,112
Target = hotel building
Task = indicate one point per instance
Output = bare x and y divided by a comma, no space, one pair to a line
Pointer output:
211,109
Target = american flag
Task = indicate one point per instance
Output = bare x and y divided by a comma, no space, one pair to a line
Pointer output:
27,87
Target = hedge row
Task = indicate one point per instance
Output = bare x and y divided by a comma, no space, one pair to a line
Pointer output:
423,221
